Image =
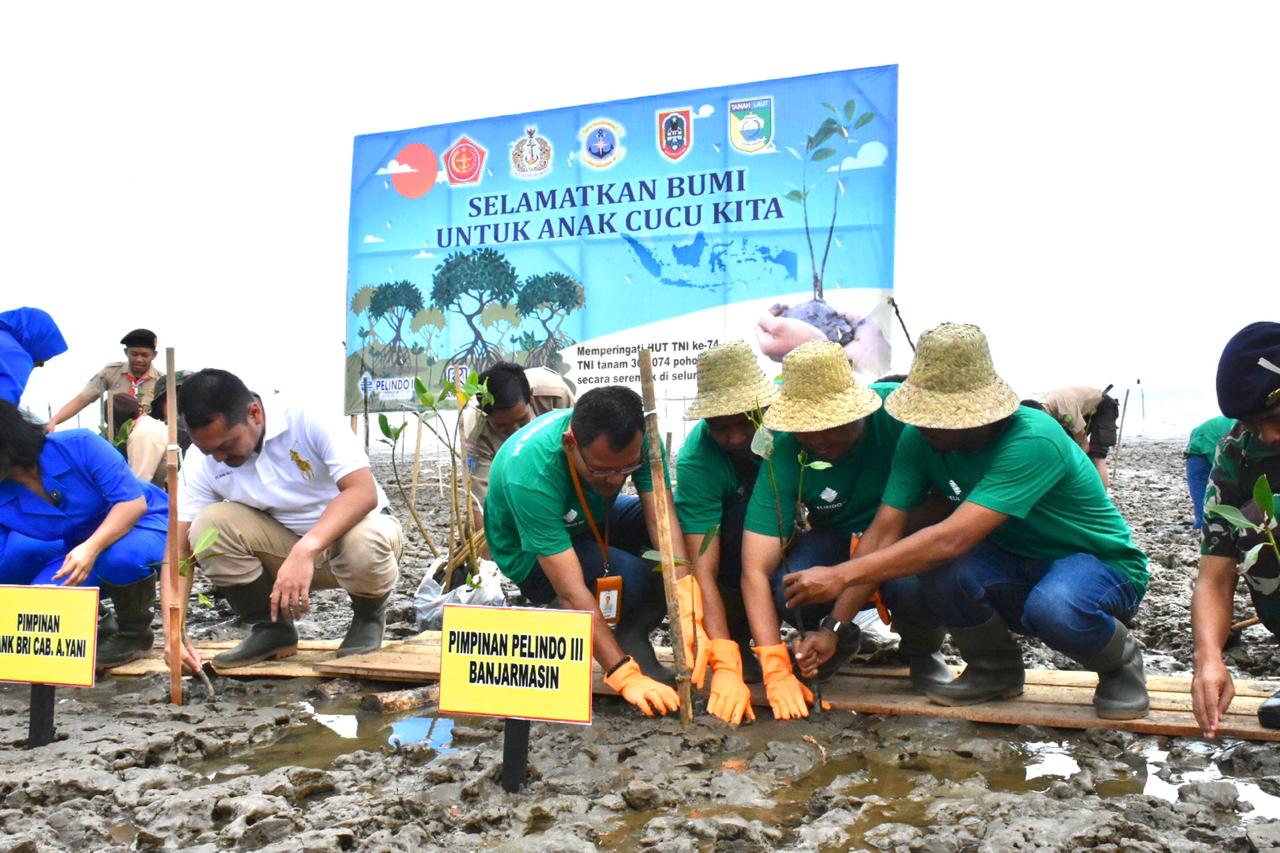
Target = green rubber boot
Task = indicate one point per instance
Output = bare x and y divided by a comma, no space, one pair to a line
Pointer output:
368,623
993,667
133,636
1122,686
922,647
267,640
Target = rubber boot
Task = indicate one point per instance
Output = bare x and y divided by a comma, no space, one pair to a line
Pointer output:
632,633
267,640
107,624
368,622
133,637
922,647
993,666
1122,687
1269,712
735,613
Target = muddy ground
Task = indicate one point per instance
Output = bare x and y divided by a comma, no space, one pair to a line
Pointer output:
265,765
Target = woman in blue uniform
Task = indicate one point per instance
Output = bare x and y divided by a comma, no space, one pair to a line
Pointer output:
71,513
28,338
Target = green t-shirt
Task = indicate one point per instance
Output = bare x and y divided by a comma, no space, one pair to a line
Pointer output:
1205,438
706,480
1039,477
844,496
531,509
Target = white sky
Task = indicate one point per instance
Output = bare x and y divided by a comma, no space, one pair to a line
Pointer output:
1096,185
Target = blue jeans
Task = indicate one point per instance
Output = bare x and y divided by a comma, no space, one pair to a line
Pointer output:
628,538
732,519
1072,603
1198,468
131,558
819,547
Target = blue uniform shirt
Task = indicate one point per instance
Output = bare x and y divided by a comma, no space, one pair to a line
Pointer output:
27,336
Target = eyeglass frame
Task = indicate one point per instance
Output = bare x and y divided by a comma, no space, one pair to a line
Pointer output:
616,472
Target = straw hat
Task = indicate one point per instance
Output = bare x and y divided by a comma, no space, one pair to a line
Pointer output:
819,391
730,382
952,383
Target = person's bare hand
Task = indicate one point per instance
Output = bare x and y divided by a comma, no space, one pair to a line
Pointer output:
77,565
778,336
1211,693
812,651
813,586
291,595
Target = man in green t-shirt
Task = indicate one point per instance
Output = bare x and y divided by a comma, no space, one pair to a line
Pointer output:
827,467
1201,448
558,527
714,479
1034,542
1248,387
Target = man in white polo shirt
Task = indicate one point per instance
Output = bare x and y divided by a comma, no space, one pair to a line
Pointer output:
296,508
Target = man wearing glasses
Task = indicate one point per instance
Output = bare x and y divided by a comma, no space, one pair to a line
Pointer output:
559,527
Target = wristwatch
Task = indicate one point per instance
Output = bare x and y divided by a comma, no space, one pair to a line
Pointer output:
832,624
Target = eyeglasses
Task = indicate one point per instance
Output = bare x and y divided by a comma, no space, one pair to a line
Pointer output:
602,473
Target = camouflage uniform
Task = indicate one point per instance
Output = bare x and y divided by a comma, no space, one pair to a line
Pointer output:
1241,459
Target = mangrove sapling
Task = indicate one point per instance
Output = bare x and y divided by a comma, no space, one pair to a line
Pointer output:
1266,502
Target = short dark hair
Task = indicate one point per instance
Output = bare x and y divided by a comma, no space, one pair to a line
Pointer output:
208,394
614,411
1032,404
123,408
21,439
508,385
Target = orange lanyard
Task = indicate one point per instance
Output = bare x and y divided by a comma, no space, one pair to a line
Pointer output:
602,541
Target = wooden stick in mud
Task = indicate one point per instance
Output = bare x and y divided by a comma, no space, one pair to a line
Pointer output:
1245,623
417,465
664,544
176,611
401,700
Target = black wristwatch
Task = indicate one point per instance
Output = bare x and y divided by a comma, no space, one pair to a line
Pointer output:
832,624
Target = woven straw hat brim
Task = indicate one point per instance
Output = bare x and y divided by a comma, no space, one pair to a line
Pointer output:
806,414
732,401
921,407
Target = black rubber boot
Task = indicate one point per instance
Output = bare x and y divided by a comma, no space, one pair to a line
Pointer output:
1269,712
368,623
848,641
735,613
632,633
1122,687
107,624
993,666
267,640
922,647
133,637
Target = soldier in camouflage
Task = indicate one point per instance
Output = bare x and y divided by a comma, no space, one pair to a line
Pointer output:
1249,390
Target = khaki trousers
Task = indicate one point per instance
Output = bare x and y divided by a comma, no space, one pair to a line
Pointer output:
364,562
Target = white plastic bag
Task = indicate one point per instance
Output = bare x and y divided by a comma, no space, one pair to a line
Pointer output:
430,599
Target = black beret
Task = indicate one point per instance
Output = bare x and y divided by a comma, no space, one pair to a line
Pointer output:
140,338
1249,371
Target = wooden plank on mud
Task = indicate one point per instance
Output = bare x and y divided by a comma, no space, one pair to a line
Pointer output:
302,665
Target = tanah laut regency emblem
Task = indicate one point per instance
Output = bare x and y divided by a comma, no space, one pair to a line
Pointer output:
531,155
602,143
675,132
751,124
464,161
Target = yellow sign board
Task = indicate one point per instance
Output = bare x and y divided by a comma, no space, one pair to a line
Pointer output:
526,663
48,634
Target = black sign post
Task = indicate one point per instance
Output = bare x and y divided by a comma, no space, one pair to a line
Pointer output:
40,731
515,754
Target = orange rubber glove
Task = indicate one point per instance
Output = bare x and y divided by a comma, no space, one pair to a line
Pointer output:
789,698
642,691
689,598
730,698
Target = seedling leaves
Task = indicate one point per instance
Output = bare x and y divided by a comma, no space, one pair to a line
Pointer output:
1263,497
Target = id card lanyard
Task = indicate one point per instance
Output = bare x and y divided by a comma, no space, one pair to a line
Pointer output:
608,587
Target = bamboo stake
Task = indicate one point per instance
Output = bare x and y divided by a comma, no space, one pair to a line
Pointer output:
664,543
176,611
1245,623
417,465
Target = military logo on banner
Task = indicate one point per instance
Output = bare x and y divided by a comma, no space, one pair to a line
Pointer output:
464,162
751,125
531,155
675,132
602,143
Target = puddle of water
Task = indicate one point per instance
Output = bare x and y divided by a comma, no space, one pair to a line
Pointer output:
1050,758
1264,805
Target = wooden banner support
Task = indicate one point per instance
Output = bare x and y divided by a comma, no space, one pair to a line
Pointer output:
664,544
176,610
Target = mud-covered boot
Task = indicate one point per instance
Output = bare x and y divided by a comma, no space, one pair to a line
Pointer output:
133,637
1122,686
368,623
735,613
993,666
632,633
107,624
267,640
1269,712
922,647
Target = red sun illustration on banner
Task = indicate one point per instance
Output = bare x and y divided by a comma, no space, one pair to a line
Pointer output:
422,161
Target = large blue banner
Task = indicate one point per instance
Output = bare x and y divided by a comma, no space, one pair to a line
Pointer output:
572,237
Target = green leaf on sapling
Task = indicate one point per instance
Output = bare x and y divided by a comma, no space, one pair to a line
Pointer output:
1232,516
385,426
1250,557
708,538
1262,496
818,465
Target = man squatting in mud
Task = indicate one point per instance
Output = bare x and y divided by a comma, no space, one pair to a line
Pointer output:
1248,385
558,527
296,508
1033,544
